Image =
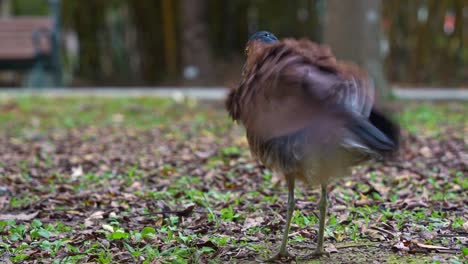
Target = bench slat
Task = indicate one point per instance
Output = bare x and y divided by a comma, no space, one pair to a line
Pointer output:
25,22
16,37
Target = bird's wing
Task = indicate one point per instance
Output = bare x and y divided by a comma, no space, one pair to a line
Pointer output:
296,85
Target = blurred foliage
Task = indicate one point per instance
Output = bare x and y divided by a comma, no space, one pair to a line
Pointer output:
87,19
232,21
30,7
147,19
126,42
428,41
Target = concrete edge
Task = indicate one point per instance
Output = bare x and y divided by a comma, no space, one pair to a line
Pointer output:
430,93
212,93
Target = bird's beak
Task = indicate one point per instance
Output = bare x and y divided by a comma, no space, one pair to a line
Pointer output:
270,39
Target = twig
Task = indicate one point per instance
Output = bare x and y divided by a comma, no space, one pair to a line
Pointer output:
374,244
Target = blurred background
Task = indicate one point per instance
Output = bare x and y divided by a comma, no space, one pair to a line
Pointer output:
89,43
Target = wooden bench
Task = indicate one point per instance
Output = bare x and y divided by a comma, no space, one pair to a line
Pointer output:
31,43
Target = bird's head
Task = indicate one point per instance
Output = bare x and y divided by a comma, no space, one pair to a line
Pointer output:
255,45
260,37
264,36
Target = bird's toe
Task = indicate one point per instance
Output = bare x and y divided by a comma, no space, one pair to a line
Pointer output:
317,254
280,256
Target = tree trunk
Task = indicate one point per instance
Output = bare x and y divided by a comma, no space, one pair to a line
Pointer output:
90,35
352,29
5,8
148,24
197,63
169,33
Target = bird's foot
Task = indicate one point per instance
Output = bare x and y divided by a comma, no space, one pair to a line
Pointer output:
280,256
317,254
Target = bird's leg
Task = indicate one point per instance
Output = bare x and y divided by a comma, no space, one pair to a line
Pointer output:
323,215
283,251
323,212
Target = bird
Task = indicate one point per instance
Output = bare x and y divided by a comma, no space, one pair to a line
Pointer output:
308,116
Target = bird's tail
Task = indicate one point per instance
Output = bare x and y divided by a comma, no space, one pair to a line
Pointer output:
378,133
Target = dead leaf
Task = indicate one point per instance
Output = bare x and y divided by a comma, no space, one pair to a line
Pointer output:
96,215
276,178
187,211
19,217
401,246
431,247
380,188
205,242
108,228
414,204
252,222
426,152
330,248
205,154
88,223
374,234
383,231
118,118
77,172
90,220
426,235
4,202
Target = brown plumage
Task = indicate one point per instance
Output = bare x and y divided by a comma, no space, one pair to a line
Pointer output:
307,115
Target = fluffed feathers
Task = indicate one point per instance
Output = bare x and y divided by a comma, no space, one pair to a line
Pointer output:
300,106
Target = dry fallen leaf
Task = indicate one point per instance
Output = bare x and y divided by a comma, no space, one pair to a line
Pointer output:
118,118
276,178
374,235
252,222
431,247
426,152
401,247
96,215
19,217
330,248
206,242
205,154
4,202
77,172
108,228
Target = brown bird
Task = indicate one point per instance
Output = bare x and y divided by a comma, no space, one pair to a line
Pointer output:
307,116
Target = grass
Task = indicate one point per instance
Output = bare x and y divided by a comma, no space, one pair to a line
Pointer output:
430,119
173,182
42,113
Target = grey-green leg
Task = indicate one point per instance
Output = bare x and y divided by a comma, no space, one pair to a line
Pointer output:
283,251
323,213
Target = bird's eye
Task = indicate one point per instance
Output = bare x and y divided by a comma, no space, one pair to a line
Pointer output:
246,51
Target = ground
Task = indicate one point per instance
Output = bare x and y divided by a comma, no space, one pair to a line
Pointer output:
88,180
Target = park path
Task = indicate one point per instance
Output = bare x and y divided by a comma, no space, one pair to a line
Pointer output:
210,93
